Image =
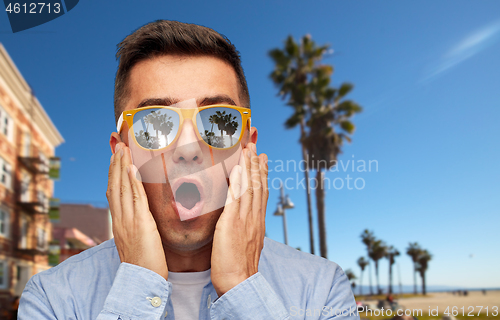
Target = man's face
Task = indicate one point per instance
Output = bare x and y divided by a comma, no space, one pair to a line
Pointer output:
192,180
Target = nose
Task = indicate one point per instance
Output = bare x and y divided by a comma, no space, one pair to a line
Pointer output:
187,149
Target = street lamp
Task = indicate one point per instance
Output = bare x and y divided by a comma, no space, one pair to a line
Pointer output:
284,203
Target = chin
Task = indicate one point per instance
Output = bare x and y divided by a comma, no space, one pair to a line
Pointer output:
192,234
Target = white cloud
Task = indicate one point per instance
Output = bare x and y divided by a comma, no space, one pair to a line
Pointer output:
465,49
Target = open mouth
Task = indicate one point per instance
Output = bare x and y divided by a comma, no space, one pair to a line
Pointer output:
188,198
187,195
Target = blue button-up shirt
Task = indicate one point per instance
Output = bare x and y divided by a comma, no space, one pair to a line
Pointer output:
95,285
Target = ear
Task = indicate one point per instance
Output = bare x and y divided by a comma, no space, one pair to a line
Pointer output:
253,135
114,140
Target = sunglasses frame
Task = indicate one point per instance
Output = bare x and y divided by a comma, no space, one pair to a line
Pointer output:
184,113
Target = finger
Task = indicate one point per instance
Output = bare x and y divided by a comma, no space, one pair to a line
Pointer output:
256,185
247,189
126,198
114,183
264,171
139,198
243,163
233,199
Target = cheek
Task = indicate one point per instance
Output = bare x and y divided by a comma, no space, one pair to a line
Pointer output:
229,158
159,196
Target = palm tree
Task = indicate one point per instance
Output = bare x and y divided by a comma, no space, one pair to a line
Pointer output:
330,125
221,122
294,65
213,120
422,264
306,82
351,276
231,127
377,252
413,251
368,239
362,263
392,253
165,125
160,122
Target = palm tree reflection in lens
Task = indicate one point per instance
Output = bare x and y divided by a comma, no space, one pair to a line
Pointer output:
225,122
159,121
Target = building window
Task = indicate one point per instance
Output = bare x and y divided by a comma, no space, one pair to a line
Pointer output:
25,187
5,173
43,200
41,242
43,166
23,240
4,222
6,124
3,274
26,145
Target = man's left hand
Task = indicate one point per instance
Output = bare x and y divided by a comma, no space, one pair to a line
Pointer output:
239,233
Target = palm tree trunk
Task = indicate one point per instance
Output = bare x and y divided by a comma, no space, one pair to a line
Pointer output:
370,276
361,283
414,279
308,188
376,274
320,204
390,278
423,284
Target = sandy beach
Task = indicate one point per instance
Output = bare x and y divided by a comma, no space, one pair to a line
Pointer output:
464,304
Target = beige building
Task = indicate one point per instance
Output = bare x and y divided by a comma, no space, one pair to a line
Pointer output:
28,139
94,222
80,227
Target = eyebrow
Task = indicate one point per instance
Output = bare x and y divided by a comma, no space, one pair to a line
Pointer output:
218,99
207,101
157,102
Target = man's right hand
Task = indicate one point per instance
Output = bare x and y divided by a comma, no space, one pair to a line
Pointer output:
136,235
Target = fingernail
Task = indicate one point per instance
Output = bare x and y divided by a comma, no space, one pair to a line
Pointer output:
111,159
128,169
118,147
137,174
240,169
248,153
121,153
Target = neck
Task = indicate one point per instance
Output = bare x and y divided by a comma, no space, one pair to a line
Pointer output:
189,261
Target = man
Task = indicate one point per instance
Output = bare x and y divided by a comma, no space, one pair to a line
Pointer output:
186,246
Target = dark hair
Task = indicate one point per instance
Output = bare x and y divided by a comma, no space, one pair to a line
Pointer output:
164,37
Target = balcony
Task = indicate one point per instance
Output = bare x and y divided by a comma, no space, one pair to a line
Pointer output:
35,165
33,245
39,206
33,252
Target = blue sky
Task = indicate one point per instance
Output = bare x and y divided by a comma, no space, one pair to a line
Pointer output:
426,73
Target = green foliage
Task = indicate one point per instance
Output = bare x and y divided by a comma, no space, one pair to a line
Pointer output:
345,88
391,255
362,263
413,251
378,250
350,274
367,238
423,262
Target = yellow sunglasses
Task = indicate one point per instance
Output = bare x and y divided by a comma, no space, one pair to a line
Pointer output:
157,127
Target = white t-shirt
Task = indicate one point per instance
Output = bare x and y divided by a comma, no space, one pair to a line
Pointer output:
187,288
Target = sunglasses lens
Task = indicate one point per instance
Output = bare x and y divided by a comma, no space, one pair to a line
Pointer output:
219,127
155,128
